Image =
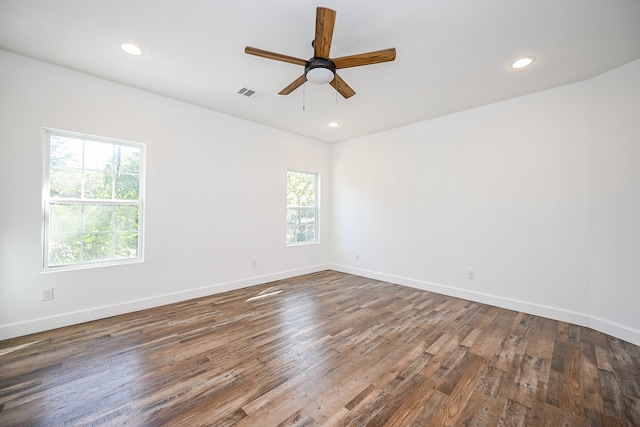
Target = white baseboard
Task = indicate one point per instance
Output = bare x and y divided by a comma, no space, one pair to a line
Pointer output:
582,319
17,329
617,330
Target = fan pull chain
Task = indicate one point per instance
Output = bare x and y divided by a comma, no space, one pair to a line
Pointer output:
304,97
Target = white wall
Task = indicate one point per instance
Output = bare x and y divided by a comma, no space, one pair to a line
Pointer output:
614,206
538,195
215,198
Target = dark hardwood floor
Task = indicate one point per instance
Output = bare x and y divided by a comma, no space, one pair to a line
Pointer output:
330,349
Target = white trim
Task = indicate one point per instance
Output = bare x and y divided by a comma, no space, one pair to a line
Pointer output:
27,327
91,264
614,329
310,242
582,319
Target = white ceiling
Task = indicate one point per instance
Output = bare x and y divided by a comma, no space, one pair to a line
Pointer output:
451,54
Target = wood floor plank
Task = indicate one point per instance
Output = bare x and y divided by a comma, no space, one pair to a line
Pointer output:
454,405
329,349
515,414
555,389
411,407
572,396
527,381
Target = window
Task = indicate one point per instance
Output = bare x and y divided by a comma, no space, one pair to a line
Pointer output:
302,207
92,200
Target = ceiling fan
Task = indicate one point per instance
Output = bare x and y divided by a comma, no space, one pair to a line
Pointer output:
321,69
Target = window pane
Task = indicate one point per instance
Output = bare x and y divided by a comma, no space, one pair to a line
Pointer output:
65,152
97,246
98,185
301,225
127,159
301,233
66,183
98,155
97,218
125,245
65,218
127,187
126,218
301,189
65,248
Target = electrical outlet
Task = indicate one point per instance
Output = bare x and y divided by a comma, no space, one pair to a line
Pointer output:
47,294
471,274
357,257
254,263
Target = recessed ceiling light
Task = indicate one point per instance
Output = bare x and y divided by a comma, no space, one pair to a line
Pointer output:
333,124
132,49
522,62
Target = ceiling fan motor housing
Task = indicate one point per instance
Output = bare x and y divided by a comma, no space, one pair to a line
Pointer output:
321,66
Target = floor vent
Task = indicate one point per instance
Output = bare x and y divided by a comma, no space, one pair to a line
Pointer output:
246,92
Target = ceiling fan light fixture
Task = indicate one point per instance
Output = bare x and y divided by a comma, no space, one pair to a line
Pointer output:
320,76
320,71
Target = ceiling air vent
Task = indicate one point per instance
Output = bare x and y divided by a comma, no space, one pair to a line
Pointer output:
246,92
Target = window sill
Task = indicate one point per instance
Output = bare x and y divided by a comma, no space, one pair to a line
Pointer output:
315,242
97,264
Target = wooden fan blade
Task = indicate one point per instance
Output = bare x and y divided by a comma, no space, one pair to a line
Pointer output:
376,57
342,87
294,85
277,56
325,19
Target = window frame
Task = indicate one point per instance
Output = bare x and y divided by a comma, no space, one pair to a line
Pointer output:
316,208
47,200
